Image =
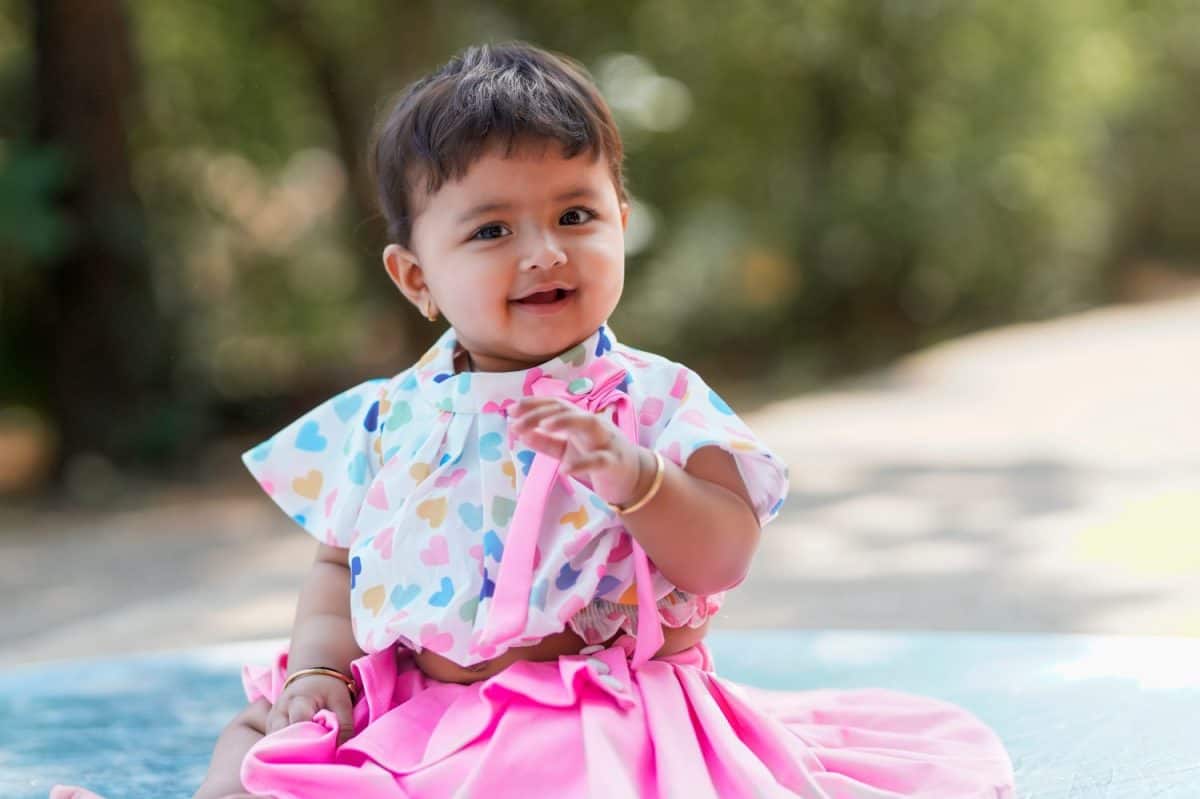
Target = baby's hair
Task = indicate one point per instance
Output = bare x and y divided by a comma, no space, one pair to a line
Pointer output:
492,94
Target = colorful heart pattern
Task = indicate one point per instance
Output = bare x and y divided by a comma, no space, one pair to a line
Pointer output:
489,586
346,406
358,468
373,598
607,583
442,598
485,651
679,389
309,486
651,412
400,416
577,545
502,511
471,515
537,597
534,375
450,480
433,511
425,495
570,607
437,553
489,446
603,343
377,496
576,518
623,549
403,595
567,577
493,547
382,543
440,642
500,408
309,438
371,420
574,356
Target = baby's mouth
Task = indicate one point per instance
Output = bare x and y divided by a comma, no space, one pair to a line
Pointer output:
546,297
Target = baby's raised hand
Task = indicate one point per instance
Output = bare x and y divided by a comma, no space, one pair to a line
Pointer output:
304,697
587,445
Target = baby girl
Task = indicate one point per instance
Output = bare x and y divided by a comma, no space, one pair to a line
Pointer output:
523,537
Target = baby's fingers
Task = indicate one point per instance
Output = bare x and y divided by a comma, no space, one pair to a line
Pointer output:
589,461
544,443
343,708
301,708
289,710
277,718
538,416
532,431
585,430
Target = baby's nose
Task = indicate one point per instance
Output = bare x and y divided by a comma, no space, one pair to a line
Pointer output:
544,251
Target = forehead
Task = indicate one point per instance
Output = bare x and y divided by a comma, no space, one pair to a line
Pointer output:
529,173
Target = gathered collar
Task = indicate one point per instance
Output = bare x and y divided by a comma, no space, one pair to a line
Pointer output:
492,392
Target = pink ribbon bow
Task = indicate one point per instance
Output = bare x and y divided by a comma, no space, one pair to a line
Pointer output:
596,390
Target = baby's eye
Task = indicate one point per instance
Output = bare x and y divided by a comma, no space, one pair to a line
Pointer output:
576,215
488,232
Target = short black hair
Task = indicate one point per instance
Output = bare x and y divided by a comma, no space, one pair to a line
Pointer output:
491,94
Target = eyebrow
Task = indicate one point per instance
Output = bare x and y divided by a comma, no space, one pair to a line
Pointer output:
489,207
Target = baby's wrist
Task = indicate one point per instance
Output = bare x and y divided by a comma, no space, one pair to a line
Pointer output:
639,482
320,671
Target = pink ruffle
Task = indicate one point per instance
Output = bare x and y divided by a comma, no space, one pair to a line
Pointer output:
600,620
589,726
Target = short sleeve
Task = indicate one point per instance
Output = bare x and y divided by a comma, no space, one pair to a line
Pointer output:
698,417
319,468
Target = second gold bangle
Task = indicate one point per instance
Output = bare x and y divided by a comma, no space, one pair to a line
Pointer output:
660,470
351,685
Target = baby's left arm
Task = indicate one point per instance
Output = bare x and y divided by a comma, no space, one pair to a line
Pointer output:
700,529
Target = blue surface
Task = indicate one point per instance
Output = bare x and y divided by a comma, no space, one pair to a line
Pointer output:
1083,716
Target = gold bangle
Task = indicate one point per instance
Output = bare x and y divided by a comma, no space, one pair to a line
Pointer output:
349,681
660,470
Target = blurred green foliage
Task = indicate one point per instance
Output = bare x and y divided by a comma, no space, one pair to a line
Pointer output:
820,185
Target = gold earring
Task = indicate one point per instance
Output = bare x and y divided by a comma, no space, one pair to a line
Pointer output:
429,312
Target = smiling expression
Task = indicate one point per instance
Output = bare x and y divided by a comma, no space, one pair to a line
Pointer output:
525,254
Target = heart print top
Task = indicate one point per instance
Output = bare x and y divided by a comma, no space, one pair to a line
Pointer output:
418,477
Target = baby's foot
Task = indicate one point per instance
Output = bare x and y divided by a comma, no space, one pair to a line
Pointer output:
71,792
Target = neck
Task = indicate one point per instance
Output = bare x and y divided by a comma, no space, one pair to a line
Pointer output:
463,361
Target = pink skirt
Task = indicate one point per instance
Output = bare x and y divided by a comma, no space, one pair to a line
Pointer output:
589,726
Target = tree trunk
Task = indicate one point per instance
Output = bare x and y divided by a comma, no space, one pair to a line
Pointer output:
291,18
101,337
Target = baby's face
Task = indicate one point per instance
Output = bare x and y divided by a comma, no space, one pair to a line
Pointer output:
515,226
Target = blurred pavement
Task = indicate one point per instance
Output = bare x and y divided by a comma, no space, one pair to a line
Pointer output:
1034,478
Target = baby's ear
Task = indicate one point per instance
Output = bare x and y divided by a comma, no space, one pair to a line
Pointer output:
624,216
402,267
